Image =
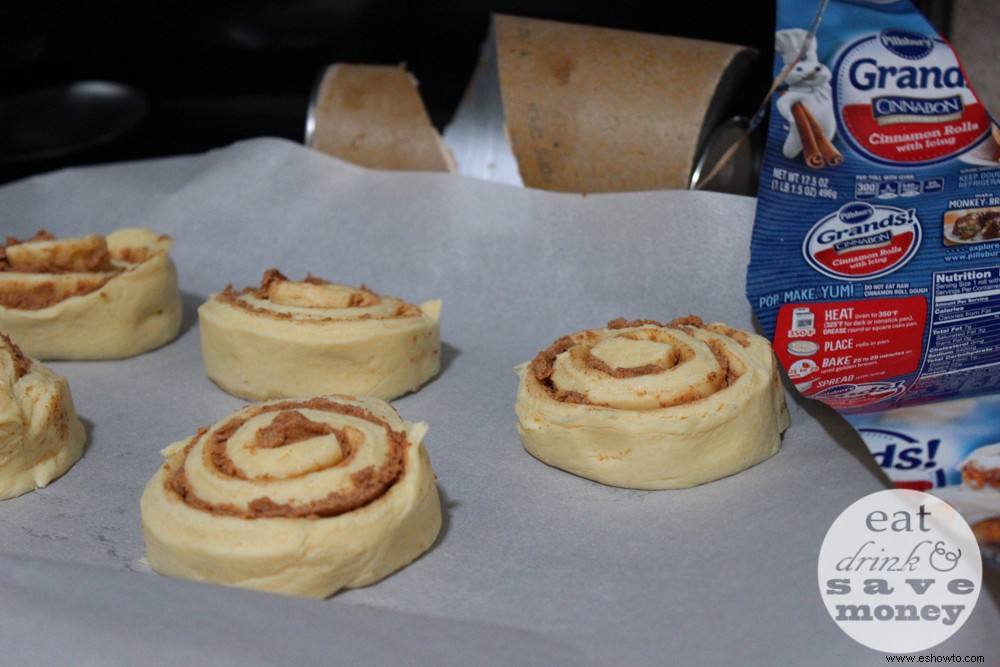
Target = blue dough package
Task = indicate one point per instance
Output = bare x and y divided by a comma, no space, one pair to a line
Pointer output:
875,258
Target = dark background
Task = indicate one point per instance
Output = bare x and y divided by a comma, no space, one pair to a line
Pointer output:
209,73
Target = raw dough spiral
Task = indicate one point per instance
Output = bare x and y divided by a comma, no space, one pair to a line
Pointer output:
653,406
296,497
90,297
313,337
40,434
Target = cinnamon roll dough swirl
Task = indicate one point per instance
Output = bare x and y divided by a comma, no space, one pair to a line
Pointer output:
653,406
313,337
301,497
91,297
40,435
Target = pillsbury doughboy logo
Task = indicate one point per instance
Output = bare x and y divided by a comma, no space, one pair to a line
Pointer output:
862,241
902,97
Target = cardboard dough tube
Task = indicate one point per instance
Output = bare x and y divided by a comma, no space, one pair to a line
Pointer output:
373,116
600,110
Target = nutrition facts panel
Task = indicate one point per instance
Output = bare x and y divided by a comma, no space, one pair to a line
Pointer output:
963,350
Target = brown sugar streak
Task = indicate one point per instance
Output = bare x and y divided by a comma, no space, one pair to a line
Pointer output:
364,297
542,366
21,363
368,484
94,268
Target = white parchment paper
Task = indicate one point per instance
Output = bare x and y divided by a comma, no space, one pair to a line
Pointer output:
534,566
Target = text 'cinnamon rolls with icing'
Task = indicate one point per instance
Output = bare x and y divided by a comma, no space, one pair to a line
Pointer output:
40,435
312,337
653,406
297,497
90,297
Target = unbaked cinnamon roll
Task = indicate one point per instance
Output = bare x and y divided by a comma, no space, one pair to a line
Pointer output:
41,436
91,297
653,406
301,497
312,337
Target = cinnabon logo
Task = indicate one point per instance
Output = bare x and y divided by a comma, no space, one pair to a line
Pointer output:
861,241
893,109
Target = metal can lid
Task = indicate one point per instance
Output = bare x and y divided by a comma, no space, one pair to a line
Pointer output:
729,161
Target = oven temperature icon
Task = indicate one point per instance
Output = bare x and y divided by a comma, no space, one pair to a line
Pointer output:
803,323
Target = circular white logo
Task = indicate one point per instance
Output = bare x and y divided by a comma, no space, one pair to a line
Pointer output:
900,571
902,98
861,241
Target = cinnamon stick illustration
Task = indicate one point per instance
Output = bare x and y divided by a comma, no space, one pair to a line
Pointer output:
816,146
810,151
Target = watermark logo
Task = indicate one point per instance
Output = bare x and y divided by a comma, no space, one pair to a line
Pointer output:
900,571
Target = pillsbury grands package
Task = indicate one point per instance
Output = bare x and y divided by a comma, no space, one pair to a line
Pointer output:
875,260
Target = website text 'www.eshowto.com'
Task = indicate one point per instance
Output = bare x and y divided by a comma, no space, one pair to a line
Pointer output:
934,658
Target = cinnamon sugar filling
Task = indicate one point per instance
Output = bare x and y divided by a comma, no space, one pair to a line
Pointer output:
362,297
91,256
36,296
21,363
542,366
74,273
290,427
369,483
622,373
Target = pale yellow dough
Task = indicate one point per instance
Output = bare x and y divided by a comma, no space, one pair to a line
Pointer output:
651,406
294,514
40,435
308,338
136,308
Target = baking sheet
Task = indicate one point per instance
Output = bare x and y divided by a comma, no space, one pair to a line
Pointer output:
533,566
